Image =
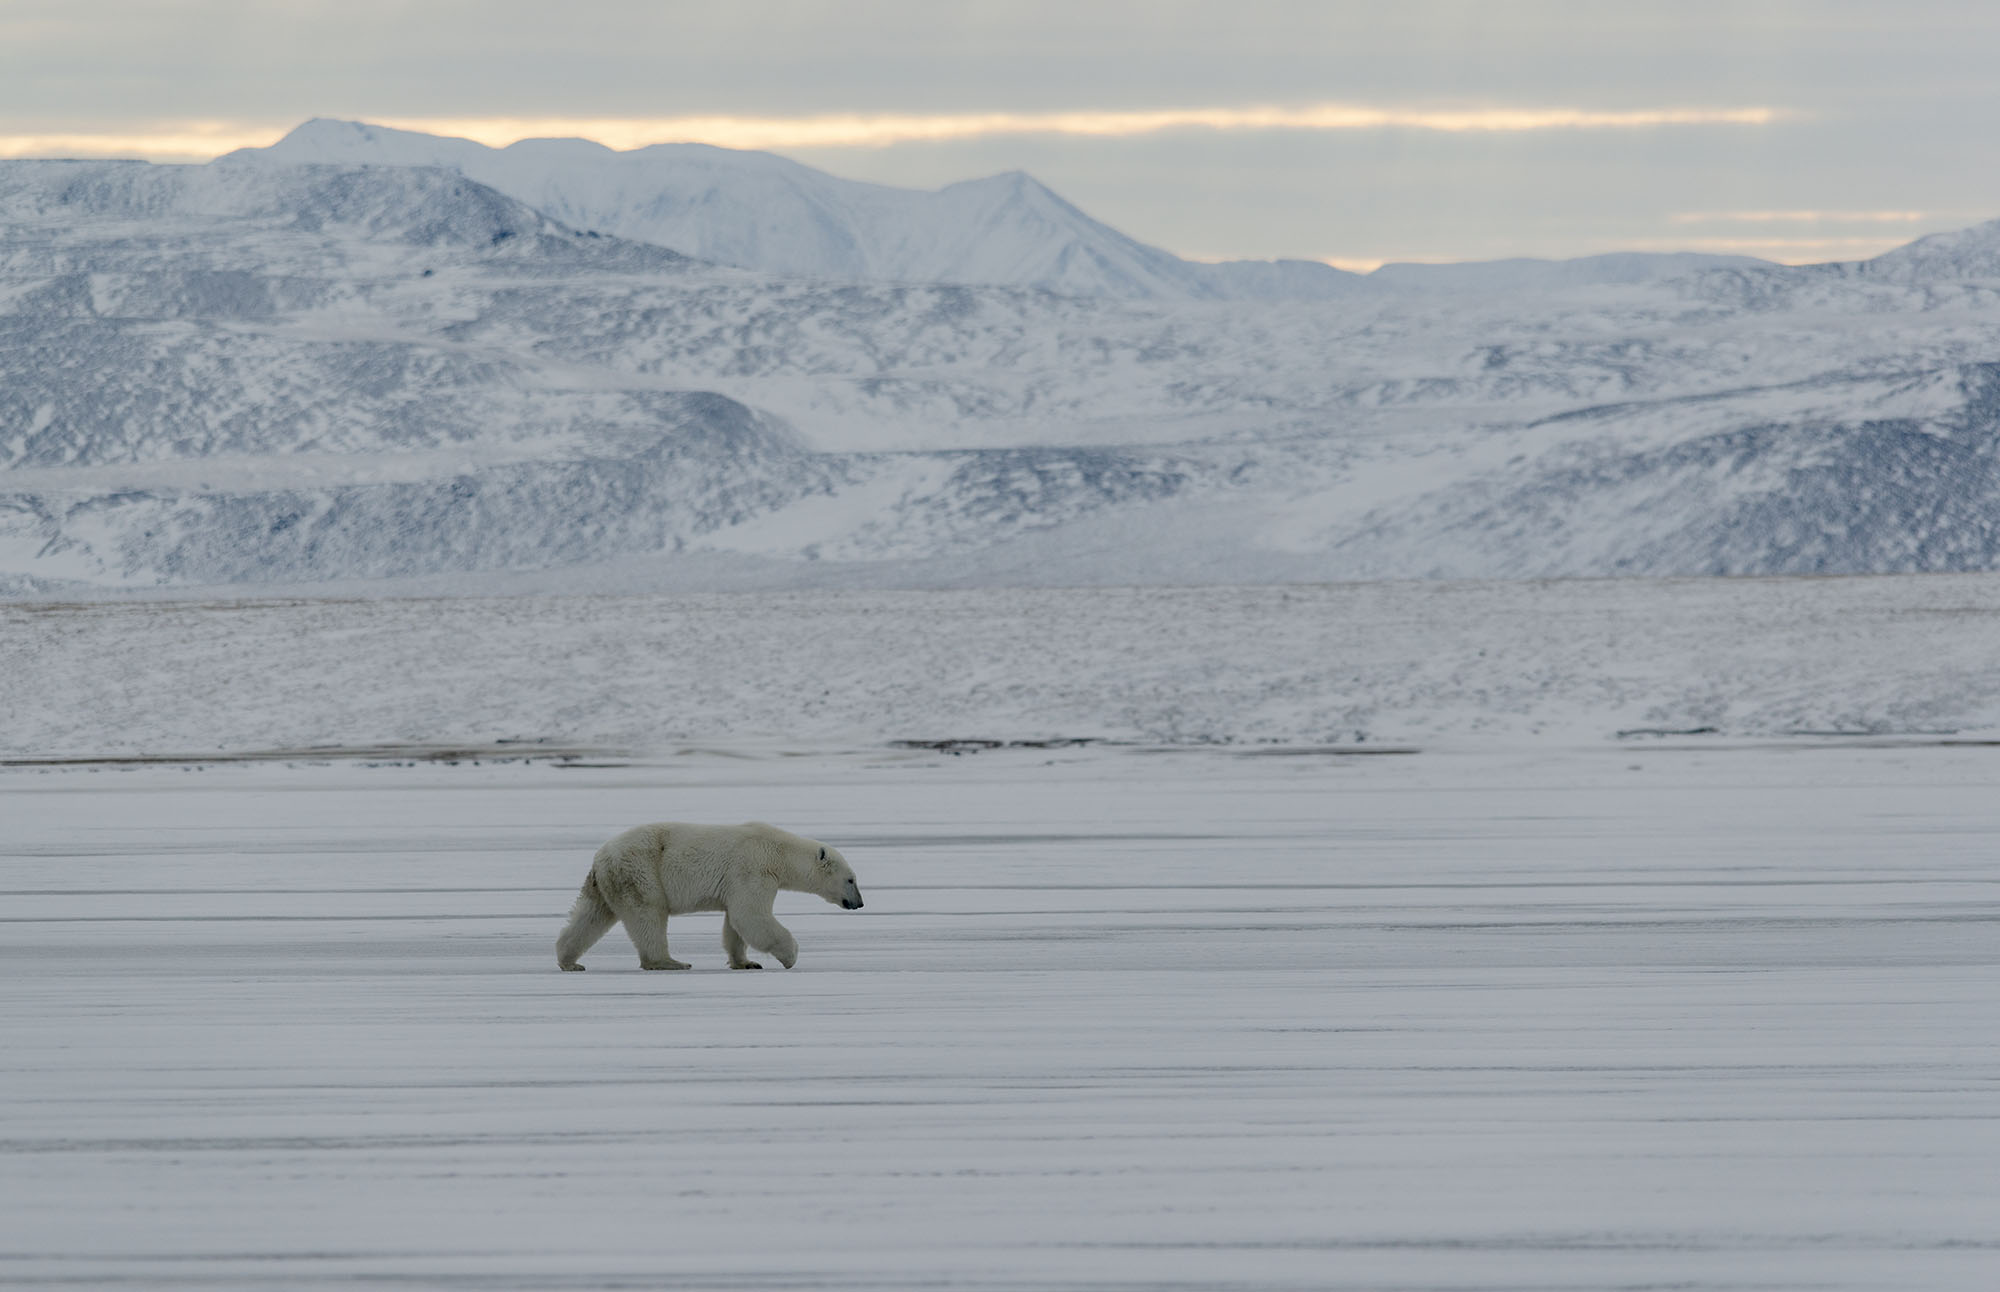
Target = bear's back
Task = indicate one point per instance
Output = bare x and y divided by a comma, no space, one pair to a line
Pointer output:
667,847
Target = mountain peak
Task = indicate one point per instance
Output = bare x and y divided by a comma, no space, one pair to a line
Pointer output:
330,141
324,131
565,147
1962,253
1011,186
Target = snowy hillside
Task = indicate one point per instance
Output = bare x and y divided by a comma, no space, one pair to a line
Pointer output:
254,372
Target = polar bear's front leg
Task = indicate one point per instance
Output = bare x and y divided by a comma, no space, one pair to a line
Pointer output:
761,930
649,934
733,946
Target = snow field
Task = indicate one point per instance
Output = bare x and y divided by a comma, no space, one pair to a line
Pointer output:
1431,663
1515,1019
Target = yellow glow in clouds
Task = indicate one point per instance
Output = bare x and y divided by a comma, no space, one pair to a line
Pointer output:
856,130
882,130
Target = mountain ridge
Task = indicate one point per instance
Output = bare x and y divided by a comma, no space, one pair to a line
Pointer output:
757,210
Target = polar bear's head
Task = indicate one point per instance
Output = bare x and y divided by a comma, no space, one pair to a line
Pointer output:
836,879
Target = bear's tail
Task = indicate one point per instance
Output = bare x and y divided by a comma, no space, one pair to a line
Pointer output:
588,920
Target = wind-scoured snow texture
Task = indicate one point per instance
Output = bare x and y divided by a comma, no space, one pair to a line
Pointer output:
1354,666
252,372
1712,1021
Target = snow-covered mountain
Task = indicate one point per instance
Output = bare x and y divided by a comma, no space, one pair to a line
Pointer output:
757,210
262,373
761,211
1962,254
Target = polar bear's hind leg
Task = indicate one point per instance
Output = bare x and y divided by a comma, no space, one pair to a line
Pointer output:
588,921
648,932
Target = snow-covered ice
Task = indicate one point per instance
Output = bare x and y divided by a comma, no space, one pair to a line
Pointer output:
1534,1019
1427,663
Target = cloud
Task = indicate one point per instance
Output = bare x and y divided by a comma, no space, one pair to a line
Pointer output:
1793,251
178,140
1807,217
1784,250
881,130
854,130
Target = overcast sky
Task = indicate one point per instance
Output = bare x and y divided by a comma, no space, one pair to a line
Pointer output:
1351,132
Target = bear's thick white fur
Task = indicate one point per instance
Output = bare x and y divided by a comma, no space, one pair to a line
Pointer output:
672,868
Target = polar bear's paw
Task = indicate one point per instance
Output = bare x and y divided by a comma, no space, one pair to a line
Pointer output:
747,964
665,964
570,968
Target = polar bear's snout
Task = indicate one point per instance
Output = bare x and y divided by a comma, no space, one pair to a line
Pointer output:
837,880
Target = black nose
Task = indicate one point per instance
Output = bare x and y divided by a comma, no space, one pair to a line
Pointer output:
853,905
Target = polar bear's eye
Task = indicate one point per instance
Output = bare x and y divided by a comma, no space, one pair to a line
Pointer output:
822,854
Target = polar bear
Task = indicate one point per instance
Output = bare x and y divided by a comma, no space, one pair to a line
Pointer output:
672,868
